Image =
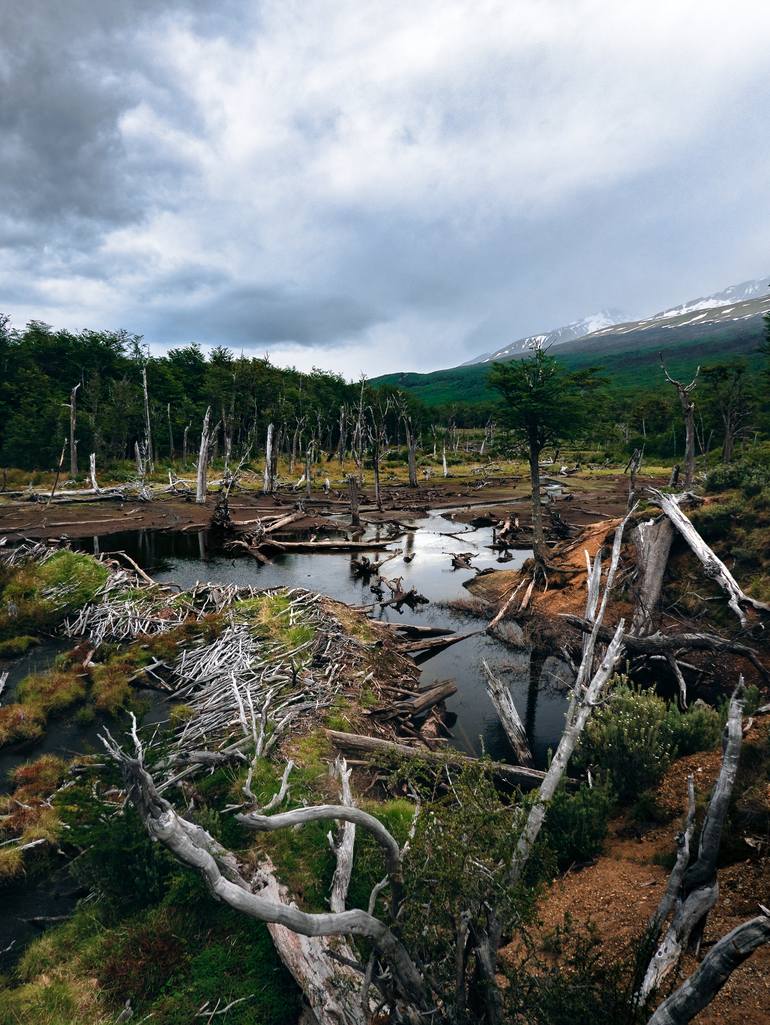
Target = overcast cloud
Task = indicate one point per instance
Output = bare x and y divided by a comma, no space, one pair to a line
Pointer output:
370,186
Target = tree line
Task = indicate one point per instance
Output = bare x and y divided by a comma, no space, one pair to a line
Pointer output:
103,392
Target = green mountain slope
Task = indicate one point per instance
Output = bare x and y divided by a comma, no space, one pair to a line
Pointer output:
629,359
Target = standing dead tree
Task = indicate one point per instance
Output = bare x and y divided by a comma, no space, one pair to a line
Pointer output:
147,424
268,486
203,460
73,407
688,409
691,893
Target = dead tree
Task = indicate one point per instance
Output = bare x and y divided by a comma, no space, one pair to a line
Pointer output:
92,472
73,430
352,482
692,891
653,540
203,460
147,425
170,433
500,695
688,409
320,967
411,443
712,564
588,690
268,486
184,444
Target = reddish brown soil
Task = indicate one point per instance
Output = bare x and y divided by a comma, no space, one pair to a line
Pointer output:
594,496
621,891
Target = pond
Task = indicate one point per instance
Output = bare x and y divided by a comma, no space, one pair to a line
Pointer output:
184,558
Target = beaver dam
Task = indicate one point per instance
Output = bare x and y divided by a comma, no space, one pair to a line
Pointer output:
264,769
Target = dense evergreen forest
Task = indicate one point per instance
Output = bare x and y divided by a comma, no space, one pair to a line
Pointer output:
40,367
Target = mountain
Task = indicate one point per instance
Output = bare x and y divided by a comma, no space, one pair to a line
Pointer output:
701,331
560,335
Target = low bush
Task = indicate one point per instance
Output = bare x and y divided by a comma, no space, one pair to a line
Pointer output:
576,824
633,739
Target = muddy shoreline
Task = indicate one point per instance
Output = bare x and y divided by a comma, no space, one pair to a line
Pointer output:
593,497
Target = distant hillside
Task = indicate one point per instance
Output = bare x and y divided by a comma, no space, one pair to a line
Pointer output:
688,335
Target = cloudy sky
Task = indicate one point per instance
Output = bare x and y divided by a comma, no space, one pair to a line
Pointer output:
375,185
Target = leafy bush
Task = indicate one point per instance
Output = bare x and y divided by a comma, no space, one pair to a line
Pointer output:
633,739
576,824
749,476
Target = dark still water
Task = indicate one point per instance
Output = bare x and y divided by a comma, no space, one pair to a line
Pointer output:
185,558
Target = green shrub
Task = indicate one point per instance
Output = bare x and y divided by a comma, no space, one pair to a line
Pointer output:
629,741
576,824
697,729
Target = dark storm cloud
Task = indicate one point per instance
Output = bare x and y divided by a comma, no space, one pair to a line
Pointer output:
402,185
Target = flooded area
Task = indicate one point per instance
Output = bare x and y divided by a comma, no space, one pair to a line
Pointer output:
424,563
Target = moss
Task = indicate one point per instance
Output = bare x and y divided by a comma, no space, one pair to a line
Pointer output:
52,691
20,722
39,778
37,596
268,616
17,646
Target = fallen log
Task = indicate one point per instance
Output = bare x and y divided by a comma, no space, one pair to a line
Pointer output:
662,644
714,567
435,644
518,775
327,546
426,699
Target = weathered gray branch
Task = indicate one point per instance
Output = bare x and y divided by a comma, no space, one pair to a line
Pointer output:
716,968
699,888
500,695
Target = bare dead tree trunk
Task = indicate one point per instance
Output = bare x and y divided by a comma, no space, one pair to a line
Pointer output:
411,447
697,888
443,460
653,540
184,444
301,938
203,460
73,429
147,425
688,408
308,468
712,564
92,471
500,696
352,482
170,433
538,536
713,972
58,472
586,694
268,486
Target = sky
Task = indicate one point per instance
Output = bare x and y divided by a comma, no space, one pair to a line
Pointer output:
377,185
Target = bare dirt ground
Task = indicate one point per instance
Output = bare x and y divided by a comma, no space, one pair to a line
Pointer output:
621,890
595,496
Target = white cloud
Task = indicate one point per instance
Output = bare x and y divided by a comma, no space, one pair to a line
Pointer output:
429,167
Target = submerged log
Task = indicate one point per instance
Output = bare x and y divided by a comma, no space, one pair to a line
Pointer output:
500,696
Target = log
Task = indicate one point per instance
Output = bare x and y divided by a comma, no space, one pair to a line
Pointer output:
716,968
435,644
663,644
500,695
203,461
375,747
328,546
426,699
712,564
653,541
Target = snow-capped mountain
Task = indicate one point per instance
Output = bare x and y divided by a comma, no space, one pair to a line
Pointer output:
560,335
744,301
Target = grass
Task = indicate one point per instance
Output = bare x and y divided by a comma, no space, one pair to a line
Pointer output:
37,596
16,646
